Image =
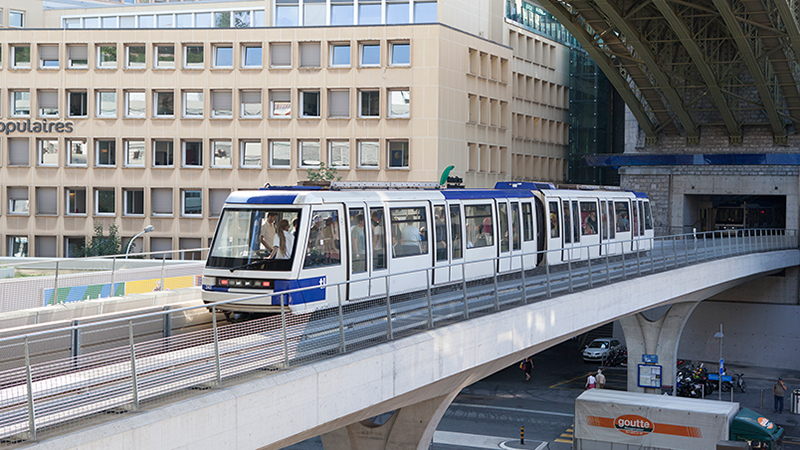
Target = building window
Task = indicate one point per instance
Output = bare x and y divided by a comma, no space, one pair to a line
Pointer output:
48,103
47,201
339,104
165,21
399,103
309,55
222,104
396,13
280,104
223,57
20,57
191,203
398,154
251,104
48,152
162,153
309,154
133,202
18,200
369,103
369,13
314,12
251,154
222,152
106,56
105,201
193,56
280,154
165,57
162,201
216,198
190,244
16,19
339,154
135,104
48,56
106,152
251,56
20,103
368,155
425,12
135,57
134,153
340,55
76,201
287,14
309,101
18,152
280,55
78,57
106,104
400,54
78,153
73,246
342,13
77,104
161,244
18,246
193,104
370,55
192,153
164,104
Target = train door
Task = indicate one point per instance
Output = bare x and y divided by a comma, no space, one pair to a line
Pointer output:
376,246
622,219
572,235
648,225
515,235
441,238
635,225
503,236
554,240
409,225
529,227
325,258
608,227
356,243
590,237
480,237
458,242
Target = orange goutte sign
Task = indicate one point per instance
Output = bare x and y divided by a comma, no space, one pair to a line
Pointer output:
633,425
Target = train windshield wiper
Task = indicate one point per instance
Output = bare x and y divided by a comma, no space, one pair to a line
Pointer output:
248,265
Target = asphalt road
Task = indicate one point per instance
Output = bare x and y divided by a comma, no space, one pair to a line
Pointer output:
490,413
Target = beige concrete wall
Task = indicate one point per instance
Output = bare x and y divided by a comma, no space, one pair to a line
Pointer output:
33,9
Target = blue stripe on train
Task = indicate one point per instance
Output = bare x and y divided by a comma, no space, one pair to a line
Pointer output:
311,295
466,194
243,197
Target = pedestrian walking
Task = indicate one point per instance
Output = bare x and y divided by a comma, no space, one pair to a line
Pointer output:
778,390
601,379
591,382
527,365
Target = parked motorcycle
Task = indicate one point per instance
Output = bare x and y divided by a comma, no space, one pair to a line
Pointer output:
738,381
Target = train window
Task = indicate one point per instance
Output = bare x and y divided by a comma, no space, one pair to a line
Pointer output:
409,236
553,220
455,228
588,218
479,225
246,237
621,209
515,241
440,228
527,222
576,224
612,223
567,227
502,213
635,219
603,220
358,241
641,217
323,247
378,239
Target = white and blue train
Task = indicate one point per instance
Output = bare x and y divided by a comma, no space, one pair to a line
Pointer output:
363,236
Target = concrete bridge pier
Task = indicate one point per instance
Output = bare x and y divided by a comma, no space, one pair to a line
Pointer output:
655,337
409,428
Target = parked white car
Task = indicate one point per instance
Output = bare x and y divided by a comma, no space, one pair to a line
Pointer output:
600,348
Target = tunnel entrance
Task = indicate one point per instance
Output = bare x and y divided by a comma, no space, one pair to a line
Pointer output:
734,212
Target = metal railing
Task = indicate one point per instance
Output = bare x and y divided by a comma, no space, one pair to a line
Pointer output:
49,394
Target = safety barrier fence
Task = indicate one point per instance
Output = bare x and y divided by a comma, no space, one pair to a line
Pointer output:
55,281
45,394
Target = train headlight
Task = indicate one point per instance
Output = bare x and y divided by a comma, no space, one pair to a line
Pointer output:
246,283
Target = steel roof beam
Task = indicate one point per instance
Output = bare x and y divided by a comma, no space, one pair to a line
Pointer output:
583,37
770,108
685,36
789,21
644,52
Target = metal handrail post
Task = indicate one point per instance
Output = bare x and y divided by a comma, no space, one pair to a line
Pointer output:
464,289
675,250
569,265
163,265
608,267
714,244
134,380
547,272
430,301
624,271
29,382
522,273
496,294
283,329
589,261
113,270
55,288
341,319
705,247
389,330
216,345
685,250
638,260
694,237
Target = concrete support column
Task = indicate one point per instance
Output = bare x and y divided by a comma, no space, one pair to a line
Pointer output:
409,428
655,337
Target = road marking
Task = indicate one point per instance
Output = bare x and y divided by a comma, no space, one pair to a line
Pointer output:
579,377
502,408
567,436
468,440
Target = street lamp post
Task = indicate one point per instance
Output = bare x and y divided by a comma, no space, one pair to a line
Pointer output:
719,336
147,229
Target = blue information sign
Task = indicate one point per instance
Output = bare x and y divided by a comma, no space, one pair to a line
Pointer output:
649,376
650,359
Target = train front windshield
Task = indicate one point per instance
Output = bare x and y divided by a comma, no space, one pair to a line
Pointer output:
255,239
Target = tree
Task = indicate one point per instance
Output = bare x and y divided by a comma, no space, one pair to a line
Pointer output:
100,245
